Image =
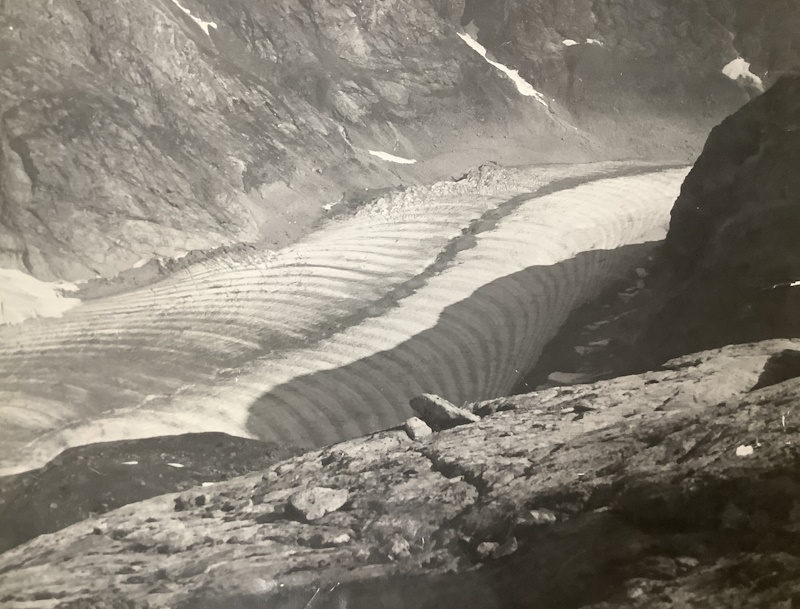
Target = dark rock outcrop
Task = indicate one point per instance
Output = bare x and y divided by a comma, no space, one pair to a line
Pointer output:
731,261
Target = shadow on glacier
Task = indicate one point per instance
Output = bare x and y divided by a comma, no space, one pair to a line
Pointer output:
479,348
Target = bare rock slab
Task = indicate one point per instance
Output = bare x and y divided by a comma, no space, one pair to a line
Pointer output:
441,414
314,503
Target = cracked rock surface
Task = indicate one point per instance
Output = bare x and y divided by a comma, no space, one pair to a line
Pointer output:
627,492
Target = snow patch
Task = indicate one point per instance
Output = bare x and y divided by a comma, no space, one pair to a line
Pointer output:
570,43
130,463
175,465
523,86
793,284
204,25
594,41
139,264
740,69
23,297
745,450
392,158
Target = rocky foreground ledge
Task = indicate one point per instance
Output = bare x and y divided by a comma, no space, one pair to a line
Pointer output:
673,487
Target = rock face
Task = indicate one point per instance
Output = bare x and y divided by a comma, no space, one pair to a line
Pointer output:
732,259
657,63
137,129
132,129
642,500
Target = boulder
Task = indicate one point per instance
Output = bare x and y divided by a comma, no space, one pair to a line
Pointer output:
417,428
441,414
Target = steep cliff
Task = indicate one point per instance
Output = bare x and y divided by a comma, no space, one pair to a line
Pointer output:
731,260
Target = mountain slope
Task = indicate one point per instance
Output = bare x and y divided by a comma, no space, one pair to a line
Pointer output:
137,129
129,130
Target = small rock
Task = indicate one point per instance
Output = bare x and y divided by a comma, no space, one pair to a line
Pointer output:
504,478
686,562
487,549
417,429
200,500
485,409
314,503
396,548
227,507
542,516
284,468
635,592
641,272
328,540
494,550
441,414
180,505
